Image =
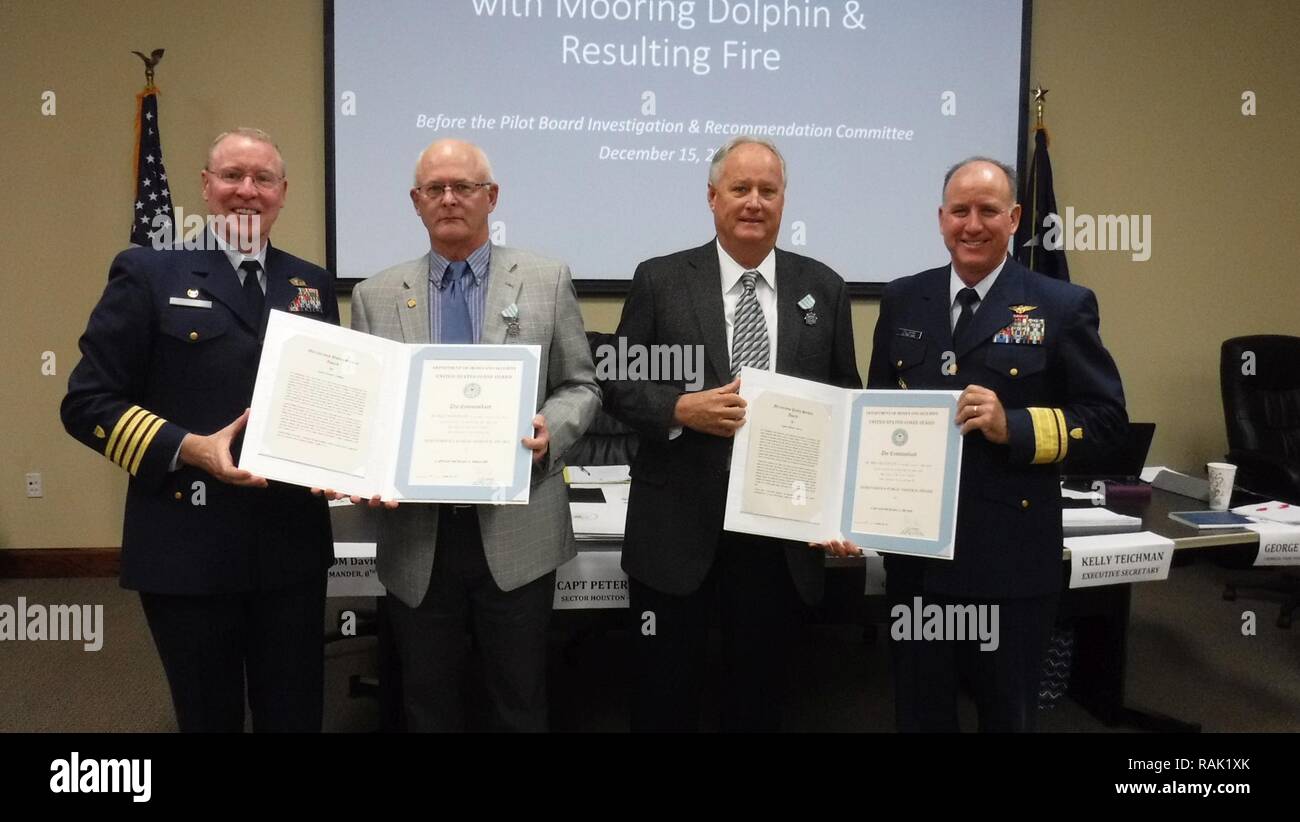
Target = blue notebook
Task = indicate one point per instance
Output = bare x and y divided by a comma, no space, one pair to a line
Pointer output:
1210,519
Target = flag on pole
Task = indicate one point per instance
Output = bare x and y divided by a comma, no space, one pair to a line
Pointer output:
1034,247
152,208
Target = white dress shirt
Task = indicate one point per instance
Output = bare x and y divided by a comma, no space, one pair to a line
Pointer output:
237,257
955,285
764,291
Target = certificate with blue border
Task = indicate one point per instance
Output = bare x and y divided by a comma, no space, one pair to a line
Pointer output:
815,462
366,416
464,418
902,472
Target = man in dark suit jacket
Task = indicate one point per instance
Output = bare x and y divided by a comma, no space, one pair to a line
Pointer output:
230,569
794,319
1036,383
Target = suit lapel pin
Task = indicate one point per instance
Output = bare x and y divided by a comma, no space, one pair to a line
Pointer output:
410,303
807,303
511,315
192,293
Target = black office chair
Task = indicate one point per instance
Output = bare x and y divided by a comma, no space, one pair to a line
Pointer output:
607,441
1259,377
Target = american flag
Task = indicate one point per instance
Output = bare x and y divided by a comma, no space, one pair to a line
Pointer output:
1038,201
153,197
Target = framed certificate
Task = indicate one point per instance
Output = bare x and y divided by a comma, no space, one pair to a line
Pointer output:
335,408
816,462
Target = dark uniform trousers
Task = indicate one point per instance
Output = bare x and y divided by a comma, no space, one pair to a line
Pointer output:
209,644
1003,680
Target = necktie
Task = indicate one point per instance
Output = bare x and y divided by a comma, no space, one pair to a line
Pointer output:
454,308
968,297
749,345
252,288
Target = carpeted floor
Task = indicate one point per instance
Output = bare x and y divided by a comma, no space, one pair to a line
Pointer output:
1187,658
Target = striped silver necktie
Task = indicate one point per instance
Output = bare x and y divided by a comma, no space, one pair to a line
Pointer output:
749,344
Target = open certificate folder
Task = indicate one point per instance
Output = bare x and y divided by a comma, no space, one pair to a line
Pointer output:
334,408
815,462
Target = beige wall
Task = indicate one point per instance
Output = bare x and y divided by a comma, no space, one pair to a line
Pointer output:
1144,109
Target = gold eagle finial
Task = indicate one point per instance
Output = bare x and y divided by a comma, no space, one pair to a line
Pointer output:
154,58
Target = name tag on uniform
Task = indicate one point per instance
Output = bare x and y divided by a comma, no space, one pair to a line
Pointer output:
307,301
190,303
909,333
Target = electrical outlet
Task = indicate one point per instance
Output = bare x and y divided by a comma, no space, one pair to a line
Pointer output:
35,488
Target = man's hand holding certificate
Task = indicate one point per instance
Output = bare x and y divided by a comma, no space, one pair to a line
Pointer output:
814,462
340,409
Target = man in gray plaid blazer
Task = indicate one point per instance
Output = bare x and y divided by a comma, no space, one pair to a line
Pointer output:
444,565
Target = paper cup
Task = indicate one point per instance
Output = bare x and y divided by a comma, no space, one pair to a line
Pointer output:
1221,476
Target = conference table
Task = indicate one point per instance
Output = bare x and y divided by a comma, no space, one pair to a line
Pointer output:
1099,616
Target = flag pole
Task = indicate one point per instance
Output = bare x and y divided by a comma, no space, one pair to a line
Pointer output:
152,219
1035,243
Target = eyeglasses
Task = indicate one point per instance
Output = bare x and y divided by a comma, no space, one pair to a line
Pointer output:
264,180
462,190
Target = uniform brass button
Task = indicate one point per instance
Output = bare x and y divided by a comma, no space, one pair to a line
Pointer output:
178,495
899,363
1015,372
1024,503
194,335
952,370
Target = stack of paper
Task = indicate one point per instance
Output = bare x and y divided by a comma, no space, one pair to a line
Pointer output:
602,521
1080,522
1091,496
1150,472
602,474
1272,511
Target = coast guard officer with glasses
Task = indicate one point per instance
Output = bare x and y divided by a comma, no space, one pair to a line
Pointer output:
230,568
449,568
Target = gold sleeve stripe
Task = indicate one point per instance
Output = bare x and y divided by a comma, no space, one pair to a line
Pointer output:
1062,432
144,443
133,440
117,429
126,449
1047,439
127,433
